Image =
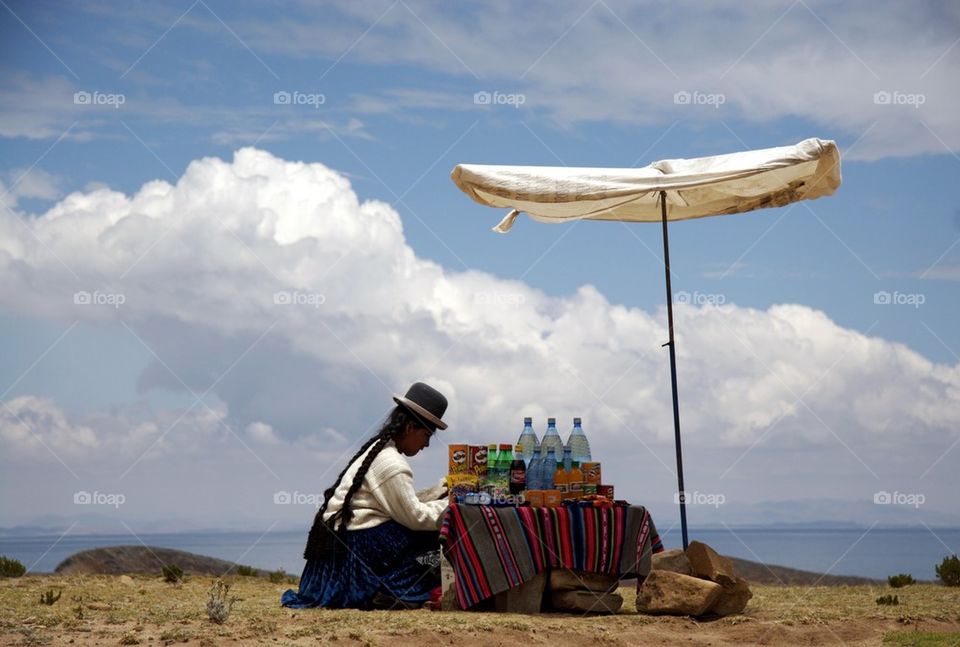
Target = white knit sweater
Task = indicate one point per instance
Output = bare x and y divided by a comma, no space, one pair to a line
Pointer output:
387,493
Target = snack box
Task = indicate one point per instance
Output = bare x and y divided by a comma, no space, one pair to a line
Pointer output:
591,473
461,484
458,459
606,490
477,459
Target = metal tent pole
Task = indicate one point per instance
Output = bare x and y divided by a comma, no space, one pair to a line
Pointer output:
673,371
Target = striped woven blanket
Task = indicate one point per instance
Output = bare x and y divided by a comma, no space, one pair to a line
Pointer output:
493,549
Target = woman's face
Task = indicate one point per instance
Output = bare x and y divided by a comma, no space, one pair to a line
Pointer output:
412,439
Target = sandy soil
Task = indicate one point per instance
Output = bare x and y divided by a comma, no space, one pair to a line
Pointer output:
144,610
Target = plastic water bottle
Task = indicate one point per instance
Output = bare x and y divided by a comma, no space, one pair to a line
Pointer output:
547,469
578,444
528,438
567,458
533,470
551,439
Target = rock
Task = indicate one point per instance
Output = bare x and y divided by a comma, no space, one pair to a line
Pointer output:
705,562
126,579
586,601
564,579
99,606
733,599
525,598
673,560
665,592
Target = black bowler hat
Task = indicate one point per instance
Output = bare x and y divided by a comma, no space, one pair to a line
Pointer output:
425,403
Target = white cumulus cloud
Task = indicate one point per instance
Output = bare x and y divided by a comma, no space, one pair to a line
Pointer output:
303,308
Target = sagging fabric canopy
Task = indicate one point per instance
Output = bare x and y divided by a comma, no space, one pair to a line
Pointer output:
695,188
677,189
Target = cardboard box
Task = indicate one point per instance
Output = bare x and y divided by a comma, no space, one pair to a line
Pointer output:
534,497
591,473
551,498
477,460
458,459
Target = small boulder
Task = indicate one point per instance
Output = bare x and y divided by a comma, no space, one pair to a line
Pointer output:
564,579
586,601
733,599
526,598
127,580
706,562
673,560
99,606
665,592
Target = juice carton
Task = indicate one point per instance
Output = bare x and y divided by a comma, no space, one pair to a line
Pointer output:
551,498
534,498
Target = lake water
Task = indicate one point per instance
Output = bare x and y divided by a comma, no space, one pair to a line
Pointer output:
877,553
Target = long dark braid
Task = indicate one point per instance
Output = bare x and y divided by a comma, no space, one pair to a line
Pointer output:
395,423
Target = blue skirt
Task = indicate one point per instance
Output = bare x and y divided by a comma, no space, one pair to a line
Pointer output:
389,559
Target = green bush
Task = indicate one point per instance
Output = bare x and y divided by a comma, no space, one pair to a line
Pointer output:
11,567
172,573
949,571
901,580
246,571
49,597
888,599
278,577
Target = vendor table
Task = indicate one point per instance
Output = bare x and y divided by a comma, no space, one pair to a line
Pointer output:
494,549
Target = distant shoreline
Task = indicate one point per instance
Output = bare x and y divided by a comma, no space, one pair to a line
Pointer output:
32,532
126,560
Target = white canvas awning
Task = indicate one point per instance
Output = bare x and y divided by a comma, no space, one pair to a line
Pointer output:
695,188
690,188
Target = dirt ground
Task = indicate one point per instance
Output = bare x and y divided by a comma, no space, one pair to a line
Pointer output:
144,610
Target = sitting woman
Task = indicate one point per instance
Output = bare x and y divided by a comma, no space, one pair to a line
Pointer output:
374,543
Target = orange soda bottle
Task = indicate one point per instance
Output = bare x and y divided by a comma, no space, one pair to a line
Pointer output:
561,479
575,481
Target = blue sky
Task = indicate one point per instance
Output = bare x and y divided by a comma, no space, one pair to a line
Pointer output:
392,111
